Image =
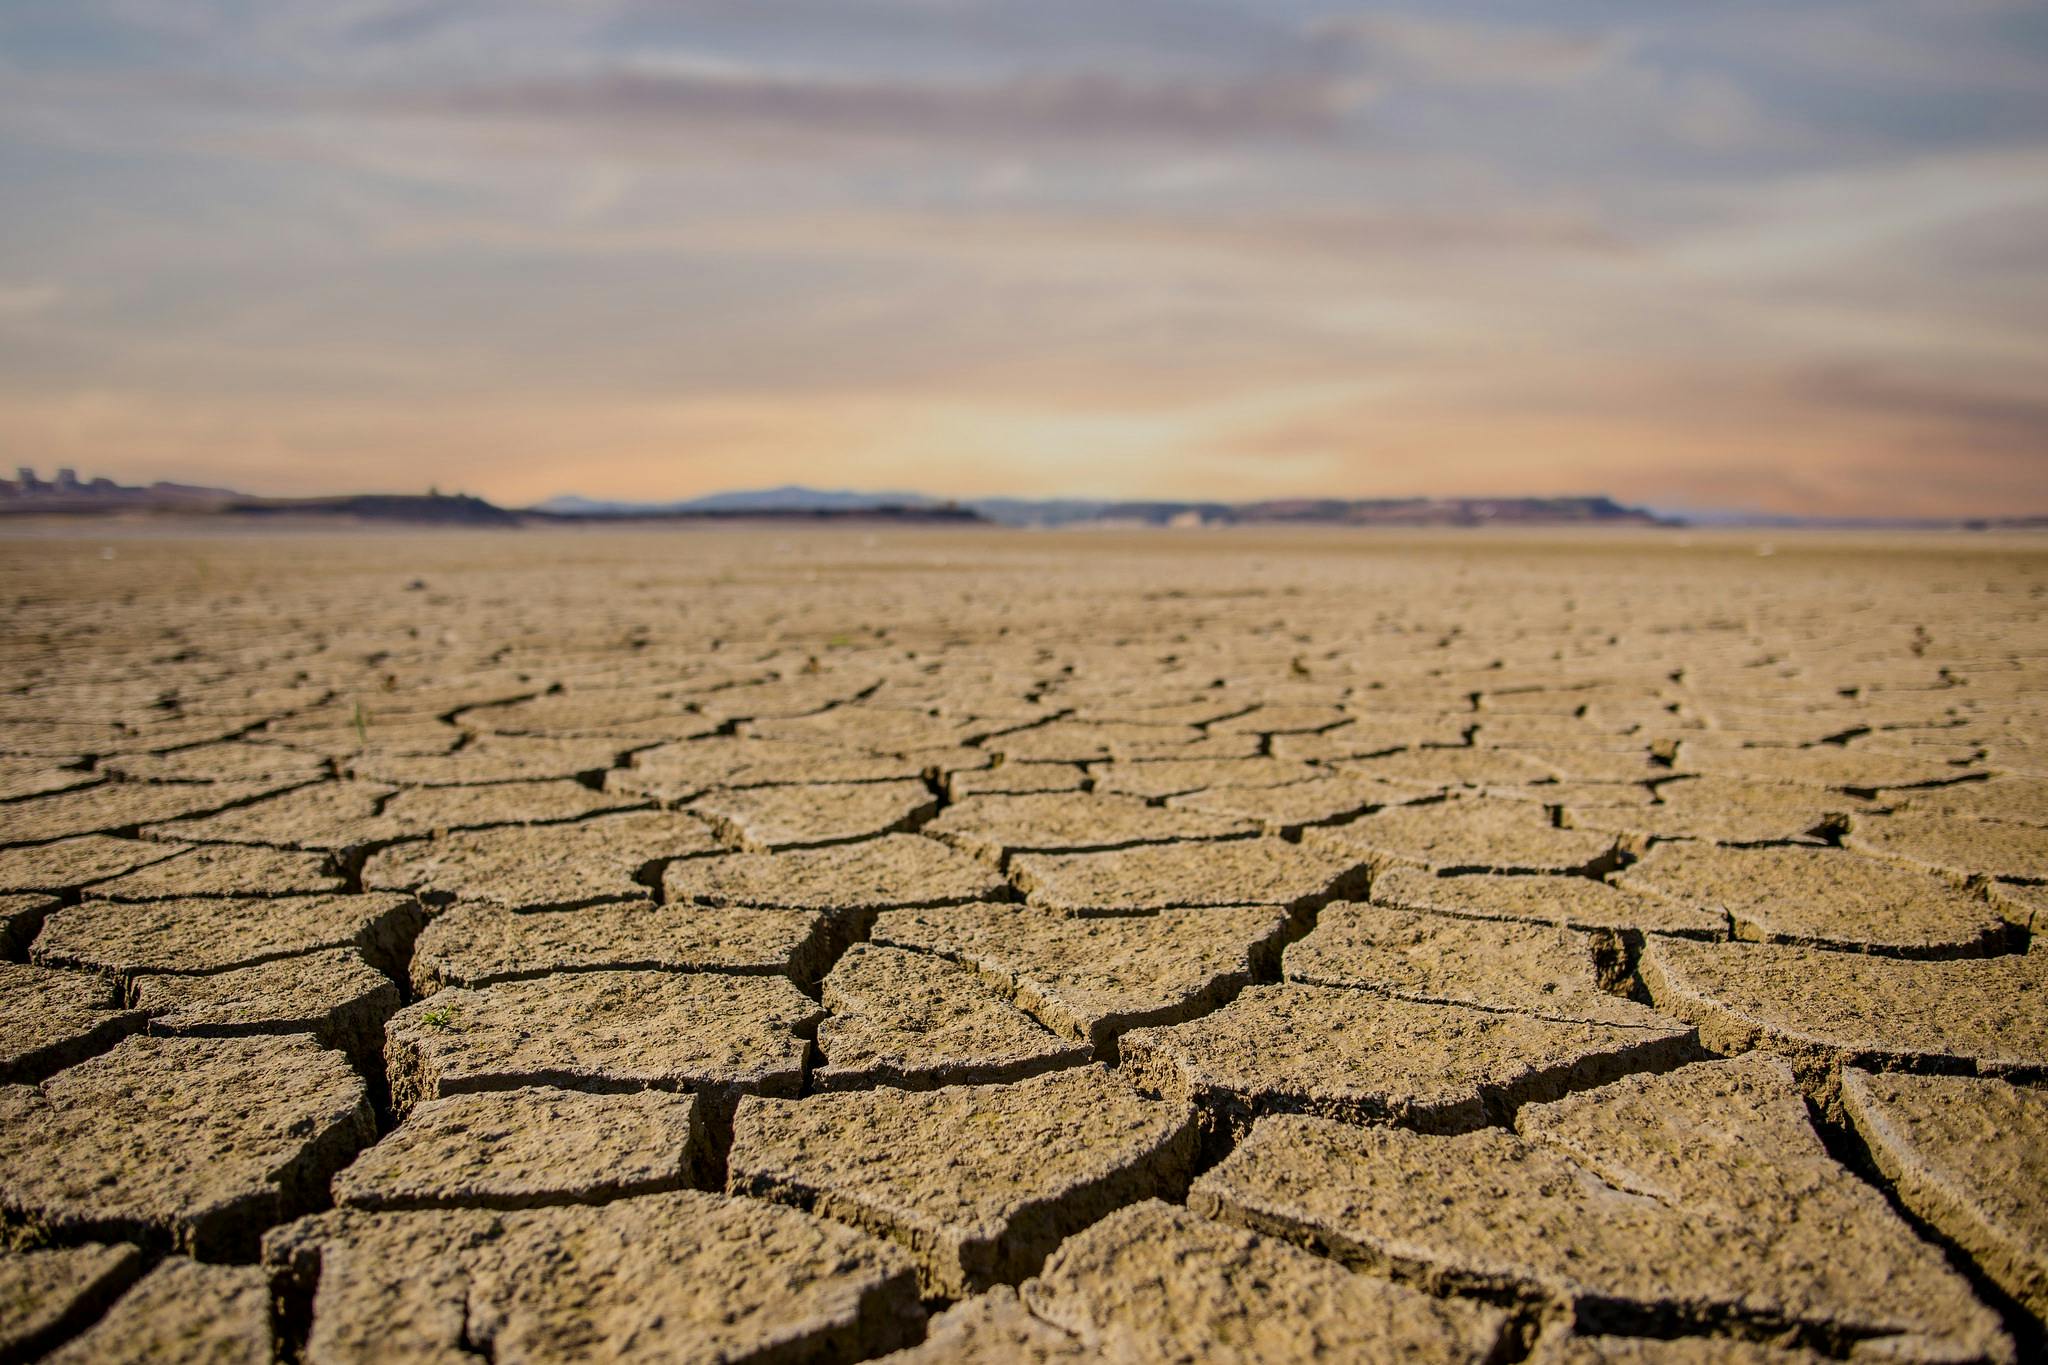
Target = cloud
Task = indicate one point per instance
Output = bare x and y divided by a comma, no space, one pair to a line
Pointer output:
1973,417
20,299
1076,109
1469,53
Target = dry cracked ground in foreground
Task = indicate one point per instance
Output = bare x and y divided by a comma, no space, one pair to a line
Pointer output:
995,947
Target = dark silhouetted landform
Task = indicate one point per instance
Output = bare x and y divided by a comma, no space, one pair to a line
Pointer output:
794,500
68,495
440,509
25,492
791,499
788,498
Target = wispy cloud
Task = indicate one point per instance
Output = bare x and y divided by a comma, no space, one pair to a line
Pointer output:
28,298
1079,109
1957,416
1463,52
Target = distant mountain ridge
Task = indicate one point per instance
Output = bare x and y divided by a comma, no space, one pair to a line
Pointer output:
786,498
70,496
796,499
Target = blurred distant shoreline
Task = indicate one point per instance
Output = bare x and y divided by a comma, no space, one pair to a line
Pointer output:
69,497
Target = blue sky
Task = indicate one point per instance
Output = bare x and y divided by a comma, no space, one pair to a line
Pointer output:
1791,257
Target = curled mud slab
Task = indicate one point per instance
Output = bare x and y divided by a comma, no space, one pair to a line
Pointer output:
1440,959
200,937
1155,1281
800,944
601,859
197,1143
918,1020
980,1182
476,945
523,1148
1470,834
993,827
49,1293
1955,845
1091,979
1721,811
50,1020
609,1030
1169,876
1825,898
1826,1009
1368,1058
766,819
1970,1157
1569,902
69,864
879,874
334,994
1701,1197
683,1276
182,1311
223,870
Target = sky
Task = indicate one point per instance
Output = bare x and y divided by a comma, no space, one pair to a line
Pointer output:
1744,254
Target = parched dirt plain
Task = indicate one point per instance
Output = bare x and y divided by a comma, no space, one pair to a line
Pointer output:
717,945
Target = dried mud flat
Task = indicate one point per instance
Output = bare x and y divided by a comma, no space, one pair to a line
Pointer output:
748,945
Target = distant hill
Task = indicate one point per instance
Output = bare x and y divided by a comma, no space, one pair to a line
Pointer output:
432,509
1450,512
790,502
1066,511
787,498
67,496
1039,512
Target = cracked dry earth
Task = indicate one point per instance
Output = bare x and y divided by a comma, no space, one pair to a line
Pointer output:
824,945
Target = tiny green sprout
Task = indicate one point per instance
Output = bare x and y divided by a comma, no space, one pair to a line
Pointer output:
441,1016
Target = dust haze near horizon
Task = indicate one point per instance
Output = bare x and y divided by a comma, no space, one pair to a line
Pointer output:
1792,259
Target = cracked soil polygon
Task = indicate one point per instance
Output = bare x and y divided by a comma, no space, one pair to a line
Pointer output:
199,1143
608,1030
980,1182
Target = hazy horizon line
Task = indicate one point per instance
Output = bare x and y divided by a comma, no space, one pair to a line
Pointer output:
1691,513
